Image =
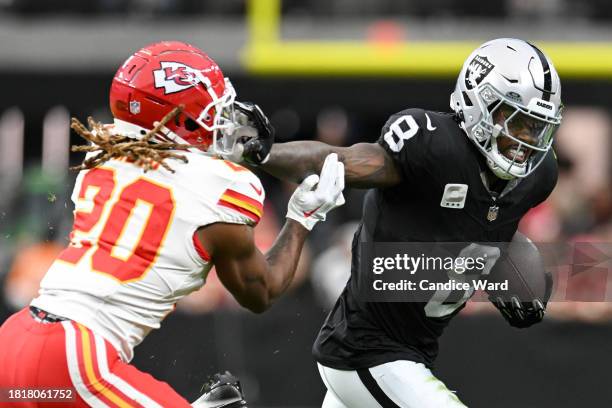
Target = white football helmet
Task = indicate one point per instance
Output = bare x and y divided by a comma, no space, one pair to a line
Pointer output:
508,87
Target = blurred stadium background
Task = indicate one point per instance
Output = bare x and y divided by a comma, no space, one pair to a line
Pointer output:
331,70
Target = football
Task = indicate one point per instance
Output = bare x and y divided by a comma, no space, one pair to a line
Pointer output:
522,266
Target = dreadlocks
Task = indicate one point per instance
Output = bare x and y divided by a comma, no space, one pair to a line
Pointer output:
111,146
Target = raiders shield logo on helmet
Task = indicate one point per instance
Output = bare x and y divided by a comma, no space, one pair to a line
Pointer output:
478,69
176,77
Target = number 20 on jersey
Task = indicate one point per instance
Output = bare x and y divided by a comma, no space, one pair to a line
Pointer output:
119,229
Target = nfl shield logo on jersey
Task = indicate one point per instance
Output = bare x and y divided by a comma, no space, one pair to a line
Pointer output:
492,214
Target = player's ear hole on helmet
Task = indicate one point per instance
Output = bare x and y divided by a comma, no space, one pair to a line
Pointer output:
191,125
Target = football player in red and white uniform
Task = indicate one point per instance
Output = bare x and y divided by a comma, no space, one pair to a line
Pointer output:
156,207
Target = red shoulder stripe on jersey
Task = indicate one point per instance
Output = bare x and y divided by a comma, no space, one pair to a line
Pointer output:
200,248
242,203
255,203
251,215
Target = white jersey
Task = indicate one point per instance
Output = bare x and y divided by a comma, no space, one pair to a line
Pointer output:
134,251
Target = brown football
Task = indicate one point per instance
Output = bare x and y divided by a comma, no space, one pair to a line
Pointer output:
522,266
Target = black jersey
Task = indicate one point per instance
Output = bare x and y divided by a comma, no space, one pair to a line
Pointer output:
432,152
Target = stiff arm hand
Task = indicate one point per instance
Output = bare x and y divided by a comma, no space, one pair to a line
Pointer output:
317,195
255,150
255,279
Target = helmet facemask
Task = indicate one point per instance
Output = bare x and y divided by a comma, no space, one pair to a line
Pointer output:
231,128
220,111
514,138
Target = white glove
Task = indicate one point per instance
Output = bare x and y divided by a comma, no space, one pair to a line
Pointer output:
309,205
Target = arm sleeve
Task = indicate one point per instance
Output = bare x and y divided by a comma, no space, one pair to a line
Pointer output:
403,139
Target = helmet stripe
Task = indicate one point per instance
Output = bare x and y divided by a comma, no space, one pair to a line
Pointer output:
547,75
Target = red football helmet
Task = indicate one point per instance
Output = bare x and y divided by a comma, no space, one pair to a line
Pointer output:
162,76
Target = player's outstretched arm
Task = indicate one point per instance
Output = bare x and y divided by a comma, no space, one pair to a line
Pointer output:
366,165
255,279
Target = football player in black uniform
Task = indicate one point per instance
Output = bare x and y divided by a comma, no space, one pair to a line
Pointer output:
430,183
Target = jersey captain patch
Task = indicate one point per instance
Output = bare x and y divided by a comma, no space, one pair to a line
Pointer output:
454,196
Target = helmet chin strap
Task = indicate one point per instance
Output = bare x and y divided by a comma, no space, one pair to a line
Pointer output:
497,129
498,171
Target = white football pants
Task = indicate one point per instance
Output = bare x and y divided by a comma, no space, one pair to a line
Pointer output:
401,383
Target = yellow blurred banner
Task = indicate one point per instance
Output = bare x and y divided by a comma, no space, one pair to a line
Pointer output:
267,54
424,59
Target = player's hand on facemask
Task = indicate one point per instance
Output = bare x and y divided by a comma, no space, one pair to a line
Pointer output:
317,195
256,150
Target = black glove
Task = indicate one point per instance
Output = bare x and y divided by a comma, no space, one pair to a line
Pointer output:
257,150
520,314
524,314
222,391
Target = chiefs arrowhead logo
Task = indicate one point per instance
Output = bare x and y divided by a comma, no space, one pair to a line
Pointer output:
176,77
